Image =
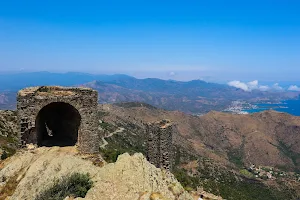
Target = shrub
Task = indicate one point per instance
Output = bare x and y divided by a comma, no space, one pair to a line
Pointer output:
4,155
75,185
188,182
246,173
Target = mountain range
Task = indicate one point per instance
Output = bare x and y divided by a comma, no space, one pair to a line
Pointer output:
196,96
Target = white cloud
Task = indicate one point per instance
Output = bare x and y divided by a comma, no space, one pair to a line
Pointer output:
264,88
240,85
276,86
252,85
294,88
172,73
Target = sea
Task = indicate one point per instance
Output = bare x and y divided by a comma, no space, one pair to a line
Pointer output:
289,106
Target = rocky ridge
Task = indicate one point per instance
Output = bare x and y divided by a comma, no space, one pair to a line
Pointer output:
131,177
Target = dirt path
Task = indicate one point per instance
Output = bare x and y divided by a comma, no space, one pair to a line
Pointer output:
119,130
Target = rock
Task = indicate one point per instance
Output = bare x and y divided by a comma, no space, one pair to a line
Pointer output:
30,146
130,178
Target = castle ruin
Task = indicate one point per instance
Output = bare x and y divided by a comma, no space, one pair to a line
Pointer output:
59,116
159,144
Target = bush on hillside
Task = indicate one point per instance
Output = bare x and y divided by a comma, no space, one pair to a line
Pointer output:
4,155
75,185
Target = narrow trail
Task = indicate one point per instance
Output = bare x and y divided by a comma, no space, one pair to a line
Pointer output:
119,130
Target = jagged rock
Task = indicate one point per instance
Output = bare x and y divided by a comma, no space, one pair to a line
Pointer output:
131,177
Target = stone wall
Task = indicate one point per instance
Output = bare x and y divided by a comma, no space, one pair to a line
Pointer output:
159,143
31,101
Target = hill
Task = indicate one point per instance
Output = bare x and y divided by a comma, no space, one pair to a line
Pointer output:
217,149
268,138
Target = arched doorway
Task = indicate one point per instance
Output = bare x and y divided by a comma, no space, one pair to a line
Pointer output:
57,124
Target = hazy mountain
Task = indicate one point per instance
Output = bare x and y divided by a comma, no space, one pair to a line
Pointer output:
192,97
14,82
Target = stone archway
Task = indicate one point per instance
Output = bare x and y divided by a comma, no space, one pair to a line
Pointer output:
59,116
57,124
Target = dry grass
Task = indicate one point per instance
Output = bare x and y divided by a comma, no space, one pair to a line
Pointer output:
10,186
157,196
46,91
56,93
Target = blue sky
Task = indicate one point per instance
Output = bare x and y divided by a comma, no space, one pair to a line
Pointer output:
215,40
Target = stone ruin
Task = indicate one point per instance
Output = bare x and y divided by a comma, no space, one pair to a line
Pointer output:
67,116
59,116
159,144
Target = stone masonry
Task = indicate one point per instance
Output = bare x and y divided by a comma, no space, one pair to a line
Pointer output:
159,144
53,113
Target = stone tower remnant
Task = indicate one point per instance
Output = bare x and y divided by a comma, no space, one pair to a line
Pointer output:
59,116
159,144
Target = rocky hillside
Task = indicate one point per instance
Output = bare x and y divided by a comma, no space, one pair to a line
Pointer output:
268,138
253,149
8,132
29,172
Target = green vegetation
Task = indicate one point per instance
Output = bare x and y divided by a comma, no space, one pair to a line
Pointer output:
75,185
246,173
102,114
219,181
286,150
107,127
125,141
117,145
8,151
44,89
4,155
226,184
236,157
111,155
186,181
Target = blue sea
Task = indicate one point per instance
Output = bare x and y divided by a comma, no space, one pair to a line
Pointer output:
289,106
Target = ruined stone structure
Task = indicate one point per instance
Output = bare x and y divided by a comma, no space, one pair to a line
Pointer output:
59,116
159,144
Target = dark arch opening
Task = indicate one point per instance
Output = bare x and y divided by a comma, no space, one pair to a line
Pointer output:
57,124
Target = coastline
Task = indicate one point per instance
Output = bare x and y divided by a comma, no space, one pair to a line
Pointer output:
242,107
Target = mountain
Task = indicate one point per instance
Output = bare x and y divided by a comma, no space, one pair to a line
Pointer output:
8,100
195,97
17,81
227,154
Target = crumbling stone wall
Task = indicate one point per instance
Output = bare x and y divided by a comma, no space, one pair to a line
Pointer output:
31,101
159,144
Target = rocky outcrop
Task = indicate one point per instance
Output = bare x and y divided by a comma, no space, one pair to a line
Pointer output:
131,177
